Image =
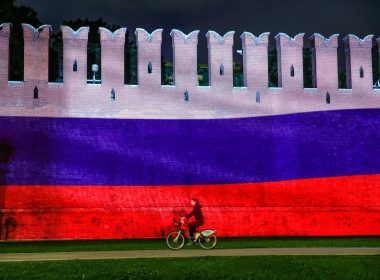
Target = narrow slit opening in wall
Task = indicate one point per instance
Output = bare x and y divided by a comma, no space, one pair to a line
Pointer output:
272,67
16,54
186,96
221,70
292,73
130,59
361,72
75,66
56,57
258,97
94,56
113,94
35,92
202,63
375,64
237,63
328,98
307,68
343,67
167,66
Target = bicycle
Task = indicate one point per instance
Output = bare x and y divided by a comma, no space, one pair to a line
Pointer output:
176,239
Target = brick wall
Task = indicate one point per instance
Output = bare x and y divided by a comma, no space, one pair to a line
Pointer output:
36,53
112,45
309,207
75,51
220,61
185,66
359,62
150,99
4,51
325,62
255,60
289,60
149,58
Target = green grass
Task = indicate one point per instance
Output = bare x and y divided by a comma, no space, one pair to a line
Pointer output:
225,243
268,267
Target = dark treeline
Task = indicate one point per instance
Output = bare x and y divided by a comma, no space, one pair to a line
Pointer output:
16,15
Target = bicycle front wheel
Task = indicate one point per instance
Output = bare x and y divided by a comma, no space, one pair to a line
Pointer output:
208,242
175,240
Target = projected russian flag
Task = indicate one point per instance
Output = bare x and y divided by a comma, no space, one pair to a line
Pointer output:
306,174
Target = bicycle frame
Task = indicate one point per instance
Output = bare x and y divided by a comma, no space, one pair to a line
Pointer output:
180,230
178,235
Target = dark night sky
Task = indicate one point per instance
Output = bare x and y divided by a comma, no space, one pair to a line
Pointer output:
323,16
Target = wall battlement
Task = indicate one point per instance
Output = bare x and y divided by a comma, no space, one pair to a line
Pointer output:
35,96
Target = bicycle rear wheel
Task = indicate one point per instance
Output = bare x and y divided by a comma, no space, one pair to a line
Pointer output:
175,240
208,242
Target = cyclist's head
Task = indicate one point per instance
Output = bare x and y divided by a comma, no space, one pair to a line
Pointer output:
194,201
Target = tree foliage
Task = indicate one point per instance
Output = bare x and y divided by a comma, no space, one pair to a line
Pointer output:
16,15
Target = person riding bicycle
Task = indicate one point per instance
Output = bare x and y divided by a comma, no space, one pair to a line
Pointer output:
199,220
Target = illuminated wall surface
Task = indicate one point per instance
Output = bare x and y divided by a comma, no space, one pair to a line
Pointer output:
77,164
300,174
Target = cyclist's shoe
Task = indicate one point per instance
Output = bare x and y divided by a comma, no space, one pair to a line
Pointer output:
197,235
191,242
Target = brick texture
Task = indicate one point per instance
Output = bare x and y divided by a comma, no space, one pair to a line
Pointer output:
289,55
327,206
358,56
149,99
4,53
220,56
75,50
36,53
112,57
255,60
185,66
149,53
308,207
325,62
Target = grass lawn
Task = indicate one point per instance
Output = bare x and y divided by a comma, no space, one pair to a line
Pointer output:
265,267
223,243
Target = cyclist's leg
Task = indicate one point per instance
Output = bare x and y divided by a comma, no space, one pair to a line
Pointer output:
192,229
194,225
